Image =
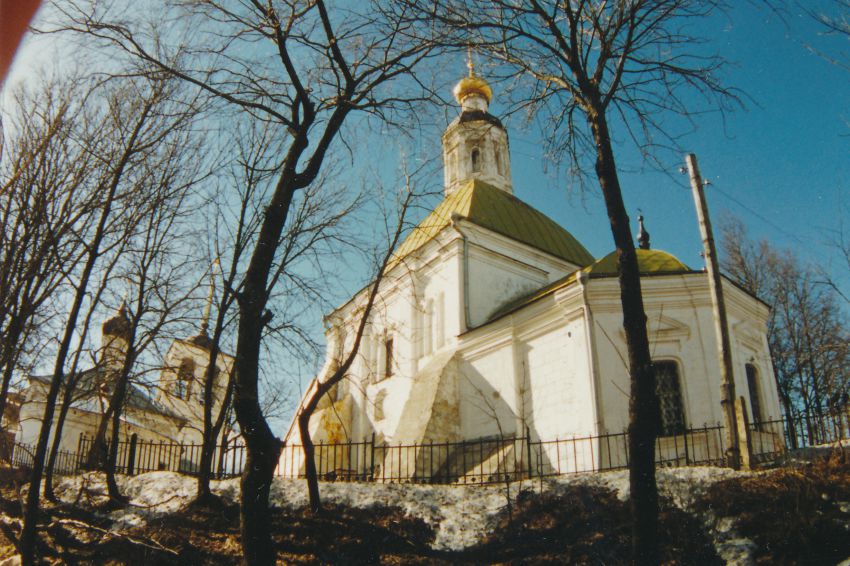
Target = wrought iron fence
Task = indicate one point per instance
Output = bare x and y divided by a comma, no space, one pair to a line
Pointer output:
67,462
138,456
495,460
481,461
770,438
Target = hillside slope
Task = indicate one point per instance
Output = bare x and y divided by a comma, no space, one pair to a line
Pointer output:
797,514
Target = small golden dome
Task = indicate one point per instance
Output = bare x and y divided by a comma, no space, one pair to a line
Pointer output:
470,86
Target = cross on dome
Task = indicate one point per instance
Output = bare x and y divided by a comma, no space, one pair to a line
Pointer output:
473,92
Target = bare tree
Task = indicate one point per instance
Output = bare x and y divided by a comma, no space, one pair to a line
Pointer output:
322,385
132,110
44,195
155,265
164,166
310,245
834,18
70,389
593,67
841,245
307,71
807,331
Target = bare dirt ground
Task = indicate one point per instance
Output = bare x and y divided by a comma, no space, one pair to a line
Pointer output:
793,515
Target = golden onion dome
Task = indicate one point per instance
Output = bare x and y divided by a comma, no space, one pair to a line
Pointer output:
470,86
119,324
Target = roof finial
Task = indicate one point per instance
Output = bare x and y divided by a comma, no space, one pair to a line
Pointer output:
472,86
205,319
642,235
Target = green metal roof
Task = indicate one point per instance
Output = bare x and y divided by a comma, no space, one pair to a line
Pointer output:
650,262
501,212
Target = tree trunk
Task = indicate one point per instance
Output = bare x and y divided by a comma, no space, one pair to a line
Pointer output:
212,430
309,461
57,440
262,448
222,456
97,456
10,354
209,435
67,399
204,493
643,403
789,419
112,458
26,544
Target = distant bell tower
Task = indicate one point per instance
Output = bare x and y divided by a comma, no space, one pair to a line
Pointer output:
117,333
475,145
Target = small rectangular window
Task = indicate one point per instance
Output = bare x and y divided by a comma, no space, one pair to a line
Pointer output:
428,334
388,364
753,386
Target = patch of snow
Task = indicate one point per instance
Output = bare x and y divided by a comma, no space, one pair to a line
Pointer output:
153,494
736,551
89,487
819,451
460,515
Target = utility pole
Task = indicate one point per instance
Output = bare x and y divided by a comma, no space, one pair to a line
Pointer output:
721,325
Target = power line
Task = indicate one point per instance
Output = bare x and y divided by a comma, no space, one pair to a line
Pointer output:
758,215
818,251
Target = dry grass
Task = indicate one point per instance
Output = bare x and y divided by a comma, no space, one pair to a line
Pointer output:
795,515
585,525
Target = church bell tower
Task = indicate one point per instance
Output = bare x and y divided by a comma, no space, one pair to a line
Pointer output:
117,333
475,145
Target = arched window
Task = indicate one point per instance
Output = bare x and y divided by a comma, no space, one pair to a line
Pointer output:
185,376
215,384
498,157
452,167
476,160
753,387
669,391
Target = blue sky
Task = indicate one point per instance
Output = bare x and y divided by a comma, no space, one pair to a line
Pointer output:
781,165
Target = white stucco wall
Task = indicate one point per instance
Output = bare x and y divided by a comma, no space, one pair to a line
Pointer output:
501,270
560,395
487,394
681,325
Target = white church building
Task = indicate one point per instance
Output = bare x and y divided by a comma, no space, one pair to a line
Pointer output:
169,410
495,322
